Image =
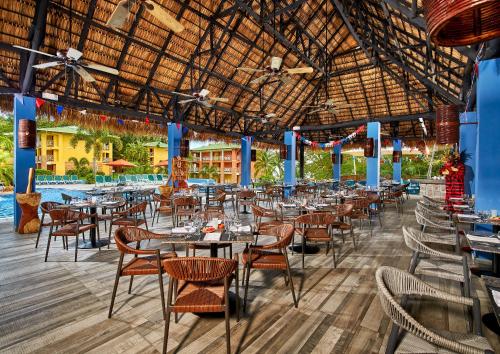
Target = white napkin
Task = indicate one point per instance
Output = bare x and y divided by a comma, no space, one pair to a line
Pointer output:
310,208
468,216
286,205
183,230
213,236
492,240
213,223
461,206
245,228
496,296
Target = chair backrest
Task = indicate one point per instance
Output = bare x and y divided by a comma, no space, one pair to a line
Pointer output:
316,219
185,202
99,179
47,206
208,215
138,208
284,234
257,210
245,194
66,197
74,177
165,191
199,268
108,179
342,209
392,283
126,235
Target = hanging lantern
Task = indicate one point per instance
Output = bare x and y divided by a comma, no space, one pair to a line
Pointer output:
396,156
369,147
335,159
26,134
447,124
283,152
462,22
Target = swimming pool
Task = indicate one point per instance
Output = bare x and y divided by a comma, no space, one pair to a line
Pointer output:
48,194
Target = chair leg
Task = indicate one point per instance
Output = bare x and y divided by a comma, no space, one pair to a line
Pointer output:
243,277
48,244
39,231
290,281
162,294
237,286
167,320
130,285
76,247
246,288
333,256
176,315
109,235
228,329
115,287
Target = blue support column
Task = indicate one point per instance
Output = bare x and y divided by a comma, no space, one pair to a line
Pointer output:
468,140
396,166
487,181
337,166
246,164
24,159
174,143
373,163
290,178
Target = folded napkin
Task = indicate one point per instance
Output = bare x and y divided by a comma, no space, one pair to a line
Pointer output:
461,206
468,216
493,240
288,205
213,236
245,228
183,230
496,296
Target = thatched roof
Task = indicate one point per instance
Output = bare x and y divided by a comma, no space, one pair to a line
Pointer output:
373,55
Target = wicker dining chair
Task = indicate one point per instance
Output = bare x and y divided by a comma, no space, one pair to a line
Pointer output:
394,284
206,216
361,212
393,198
272,256
69,223
342,213
443,231
217,202
244,198
430,262
259,213
104,216
45,207
133,216
144,261
162,205
201,285
66,198
184,207
316,227
431,211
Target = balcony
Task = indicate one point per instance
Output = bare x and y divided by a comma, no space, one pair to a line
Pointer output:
50,158
50,143
228,170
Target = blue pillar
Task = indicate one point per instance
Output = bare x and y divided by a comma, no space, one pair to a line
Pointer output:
487,181
337,166
290,178
246,164
24,159
396,166
174,143
468,139
373,163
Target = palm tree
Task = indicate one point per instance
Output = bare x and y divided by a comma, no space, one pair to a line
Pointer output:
79,165
6,169
268,165
95,140
209,171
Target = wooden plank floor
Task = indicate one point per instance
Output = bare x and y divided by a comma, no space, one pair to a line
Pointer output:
61,306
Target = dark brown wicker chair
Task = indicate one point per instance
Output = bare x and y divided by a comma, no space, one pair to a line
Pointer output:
45,207
104,216
162,205
270,257
145,261
361,212
70,223
375,206
206,216
184,207
316,227
200,285
244,198
393,198
217,203
259,213
133,216
343,214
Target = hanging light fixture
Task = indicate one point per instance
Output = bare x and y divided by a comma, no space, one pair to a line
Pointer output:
447,124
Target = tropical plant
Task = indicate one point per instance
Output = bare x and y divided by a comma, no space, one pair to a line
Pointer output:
80,167
318,165
94,140
268,165
6,169
209,171
43,172
136,152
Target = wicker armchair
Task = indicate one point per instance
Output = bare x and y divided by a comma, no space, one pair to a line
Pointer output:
184,207
430,262
273,256
259,213
206,216
199,284
133,216
46,207
431,211
444,231
244,198
316,227
217,203
393,283
162,205
393,198
144,261
375,206
69,223
121,202
438,203
361,211
343,223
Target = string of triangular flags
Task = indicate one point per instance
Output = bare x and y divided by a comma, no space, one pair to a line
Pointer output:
332,143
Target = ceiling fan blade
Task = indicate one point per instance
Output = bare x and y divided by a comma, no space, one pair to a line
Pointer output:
205,104
119,15
83,73
260,79
276,63
48,65
250,70
74,54
305,70
219,99
186,101
183,94
315,111
203,93
164,17
100,67
35,51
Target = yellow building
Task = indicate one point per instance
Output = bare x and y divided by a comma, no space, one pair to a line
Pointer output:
54,151
158,152
226,158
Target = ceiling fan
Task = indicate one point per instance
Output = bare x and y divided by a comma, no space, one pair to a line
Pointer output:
275,70
202,97
328,106
122,12
71,58
262,117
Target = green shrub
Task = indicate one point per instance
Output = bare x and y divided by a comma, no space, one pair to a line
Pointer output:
43,172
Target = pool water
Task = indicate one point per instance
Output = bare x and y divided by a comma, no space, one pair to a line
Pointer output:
48,195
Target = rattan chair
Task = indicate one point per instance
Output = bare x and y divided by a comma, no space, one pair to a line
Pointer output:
342,213
184,207
361,212
244,198
217,203
133,216
272,256
121,202
393,283
206,216
393,198
375,206
162,205
443,231
69,223
144,261
431,211
316,228
45,207
430,262
259,213
201,285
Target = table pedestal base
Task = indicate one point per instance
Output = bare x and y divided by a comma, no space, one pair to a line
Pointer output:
490,321
308,249
89,245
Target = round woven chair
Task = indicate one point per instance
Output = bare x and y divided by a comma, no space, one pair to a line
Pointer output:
444,231
394,283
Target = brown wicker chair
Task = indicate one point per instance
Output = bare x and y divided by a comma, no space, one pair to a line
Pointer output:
316,227
206,216
273,256
200,285
184,207
259,213
121,202
45,207
217,203
162,205
133,216
393,284
145,261
70,223
361,211
375,206
393,198
244,198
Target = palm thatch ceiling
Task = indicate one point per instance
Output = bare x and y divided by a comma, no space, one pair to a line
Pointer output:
372,54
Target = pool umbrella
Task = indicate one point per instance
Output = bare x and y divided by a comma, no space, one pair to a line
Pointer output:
120,164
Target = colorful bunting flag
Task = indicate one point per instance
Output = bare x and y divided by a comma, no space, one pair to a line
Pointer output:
39,102
59,109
